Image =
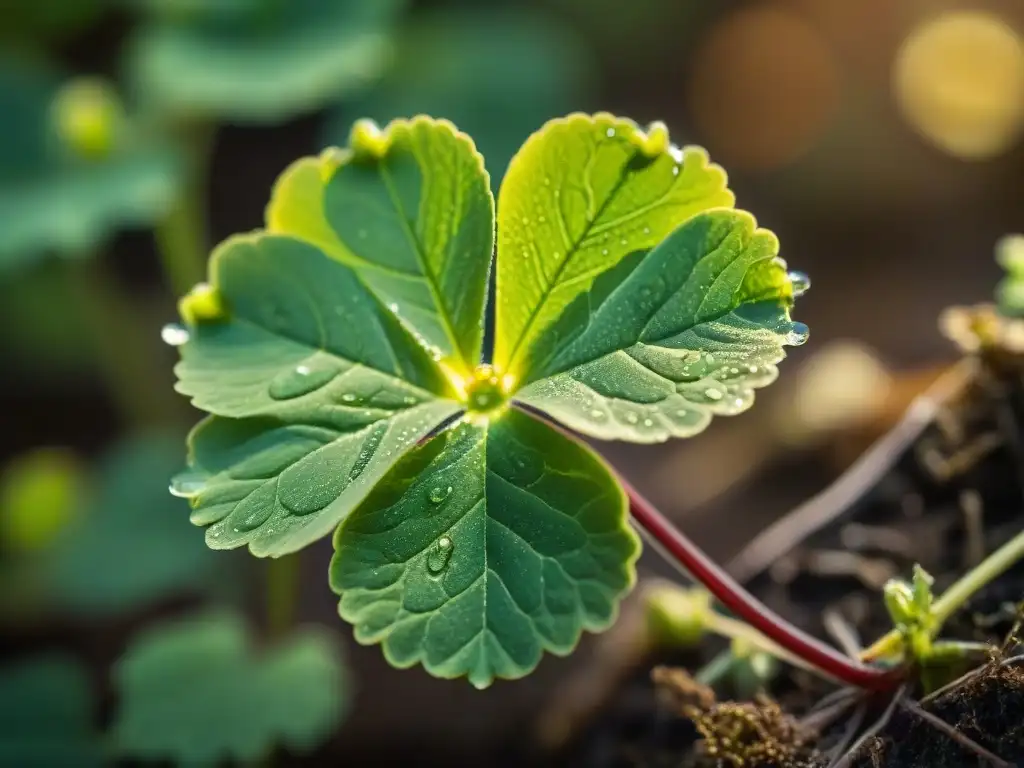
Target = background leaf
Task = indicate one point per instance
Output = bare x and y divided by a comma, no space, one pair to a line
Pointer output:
51,201
483,548
497,73
581,194
131,543
409,209
46,715
323,387
194,692
291,57
666,340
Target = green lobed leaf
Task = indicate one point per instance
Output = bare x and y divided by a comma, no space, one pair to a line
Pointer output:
582,194
496,72
291,57
46,715
410,209
193,692
317,390
130,543
665,340
483,548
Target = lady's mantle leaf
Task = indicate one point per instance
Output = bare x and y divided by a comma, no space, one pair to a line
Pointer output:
289,57
410,209
667,339
483,548
322,387
46,716
193,693
582,194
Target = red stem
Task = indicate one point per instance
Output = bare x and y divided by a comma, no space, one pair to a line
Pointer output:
747,607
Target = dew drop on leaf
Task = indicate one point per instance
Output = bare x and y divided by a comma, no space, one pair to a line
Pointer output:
173,334
631,418
348,397
438,494
800,281
440,555
798,335
713,394
302,380
187,484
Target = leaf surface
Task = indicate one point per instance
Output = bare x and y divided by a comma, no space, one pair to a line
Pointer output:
582,194
483,548
410,209
668,339
46,715
193,692
317,391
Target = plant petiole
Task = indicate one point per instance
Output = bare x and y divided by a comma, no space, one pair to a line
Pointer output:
679,549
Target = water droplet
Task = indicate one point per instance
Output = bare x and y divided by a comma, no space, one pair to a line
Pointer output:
713,394
624,241
675,170
187,484
647,230
610,132
753,369
798,335
440,555
393,307
596,414
631,418
174,334
348,397
801,283
302,379
604,251
438,494
409,400
648,423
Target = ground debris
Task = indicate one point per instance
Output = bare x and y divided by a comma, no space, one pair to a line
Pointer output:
752,734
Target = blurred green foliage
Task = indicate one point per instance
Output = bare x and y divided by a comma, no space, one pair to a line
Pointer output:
194,693
497,73
39,494
46,715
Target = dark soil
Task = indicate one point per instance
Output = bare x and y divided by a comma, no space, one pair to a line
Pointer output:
956,493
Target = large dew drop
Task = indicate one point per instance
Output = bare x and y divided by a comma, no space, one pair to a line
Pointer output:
187,484
800,281
175,335
440,555
439,493
302,379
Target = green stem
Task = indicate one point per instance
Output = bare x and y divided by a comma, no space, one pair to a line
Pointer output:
954,598
121,343
282,587
181,237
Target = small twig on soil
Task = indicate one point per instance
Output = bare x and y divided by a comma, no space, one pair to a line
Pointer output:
876,727
849,732
960,738
842,631
818,511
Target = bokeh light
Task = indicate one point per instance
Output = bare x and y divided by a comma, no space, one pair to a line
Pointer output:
959,81
765,85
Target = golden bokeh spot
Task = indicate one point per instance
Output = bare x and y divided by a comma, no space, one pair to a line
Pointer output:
765,85
959,81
